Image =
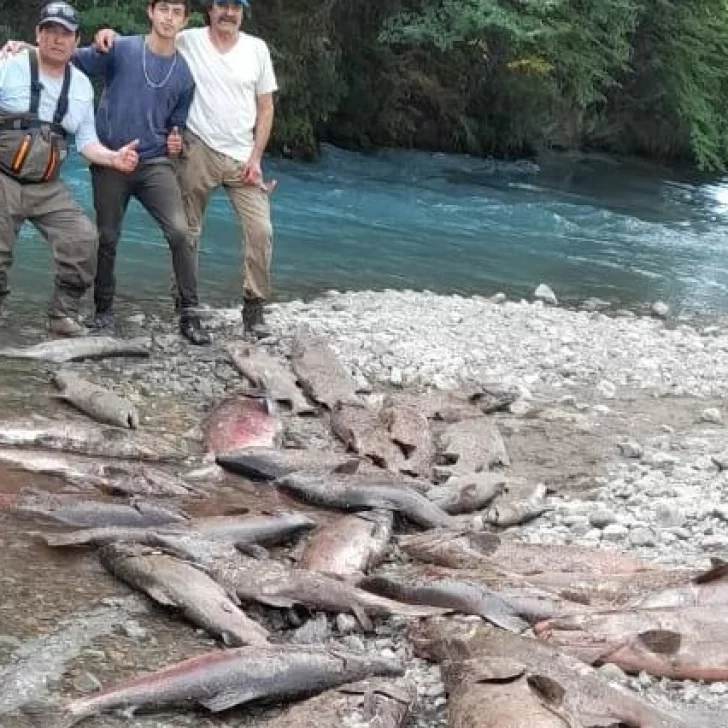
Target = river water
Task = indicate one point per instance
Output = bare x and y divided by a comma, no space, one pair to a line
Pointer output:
626,232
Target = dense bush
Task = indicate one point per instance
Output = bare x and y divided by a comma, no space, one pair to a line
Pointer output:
502,77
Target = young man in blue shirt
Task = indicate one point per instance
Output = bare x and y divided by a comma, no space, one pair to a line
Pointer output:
33,149
148,91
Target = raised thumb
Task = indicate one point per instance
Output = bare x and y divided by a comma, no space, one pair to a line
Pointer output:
175,130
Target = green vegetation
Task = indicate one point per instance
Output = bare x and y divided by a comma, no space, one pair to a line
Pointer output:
486,77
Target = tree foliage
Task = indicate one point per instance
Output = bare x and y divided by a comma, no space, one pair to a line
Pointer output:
501,77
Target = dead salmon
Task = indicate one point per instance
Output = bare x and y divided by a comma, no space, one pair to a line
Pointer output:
707,589
97,402
517,512
266,464
352,496
71,511
94,440
409,429
683,644
459,596
241,422
238,530
83,347
113,478
274,584
349,546
320,372
174,583
495,692
364,431
467,493
473,550
473,445
375,703
267,373
221,680
567,685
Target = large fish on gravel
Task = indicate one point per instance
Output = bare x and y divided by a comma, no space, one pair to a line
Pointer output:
467,493
238,423
373,703
83,347
271,583
459,596
174,583
41,660
473,445
71,511
267,373
349,546
577,694
515,512
97,402
354,496
320,372
112,478
707,589
82,439
363,430
263,464
221,680
474,550
238,530
409,429
683,644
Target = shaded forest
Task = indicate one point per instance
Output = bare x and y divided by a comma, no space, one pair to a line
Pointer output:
506,78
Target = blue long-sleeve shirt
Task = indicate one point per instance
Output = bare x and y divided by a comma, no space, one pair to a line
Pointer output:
145,95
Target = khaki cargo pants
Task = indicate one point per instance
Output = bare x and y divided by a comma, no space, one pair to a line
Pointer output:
202,171
72,236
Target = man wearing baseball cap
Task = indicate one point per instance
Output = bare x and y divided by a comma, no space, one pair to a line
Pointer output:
43,99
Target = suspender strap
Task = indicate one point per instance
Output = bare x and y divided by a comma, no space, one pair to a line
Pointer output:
35,86
62,105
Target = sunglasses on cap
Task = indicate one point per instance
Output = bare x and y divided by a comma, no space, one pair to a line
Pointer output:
237,3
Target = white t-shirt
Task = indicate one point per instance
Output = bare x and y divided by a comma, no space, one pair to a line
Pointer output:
224,108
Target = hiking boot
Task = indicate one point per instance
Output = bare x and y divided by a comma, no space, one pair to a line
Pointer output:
254,327
191,328
104,323
65,326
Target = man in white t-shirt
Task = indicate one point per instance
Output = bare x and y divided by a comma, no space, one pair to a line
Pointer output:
228,129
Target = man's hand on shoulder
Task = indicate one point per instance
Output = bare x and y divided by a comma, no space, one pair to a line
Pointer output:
104,40
13,47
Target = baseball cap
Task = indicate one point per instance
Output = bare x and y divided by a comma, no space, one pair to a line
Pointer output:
229,2
60,13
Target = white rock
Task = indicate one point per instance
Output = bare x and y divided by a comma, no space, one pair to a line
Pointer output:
711,414
660,309
545,294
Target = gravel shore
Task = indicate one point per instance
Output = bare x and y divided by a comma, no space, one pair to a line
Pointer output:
620,415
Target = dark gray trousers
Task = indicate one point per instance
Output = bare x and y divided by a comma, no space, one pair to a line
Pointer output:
154,183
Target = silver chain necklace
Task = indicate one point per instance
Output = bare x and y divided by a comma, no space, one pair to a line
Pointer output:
146,74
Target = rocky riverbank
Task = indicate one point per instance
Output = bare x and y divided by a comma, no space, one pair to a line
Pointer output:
621,417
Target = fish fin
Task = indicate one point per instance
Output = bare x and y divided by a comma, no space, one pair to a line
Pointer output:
253,550
226,700
347,467
495,669
717,571
548,690
661,641
279,602
160,596
363,618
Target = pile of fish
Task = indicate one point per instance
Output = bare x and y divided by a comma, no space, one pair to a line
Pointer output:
404,514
